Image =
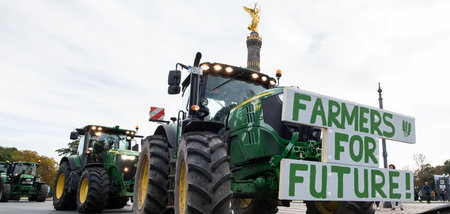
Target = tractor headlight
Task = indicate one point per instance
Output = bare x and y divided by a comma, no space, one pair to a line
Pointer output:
128,157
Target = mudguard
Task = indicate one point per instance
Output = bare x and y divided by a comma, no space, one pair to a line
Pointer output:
169,132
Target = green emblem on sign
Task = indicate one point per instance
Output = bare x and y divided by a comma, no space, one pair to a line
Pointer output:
406,128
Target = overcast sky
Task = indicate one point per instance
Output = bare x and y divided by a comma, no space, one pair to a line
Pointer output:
66,64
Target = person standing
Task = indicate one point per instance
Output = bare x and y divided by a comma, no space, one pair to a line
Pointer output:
433,195
400,204
427,190
443,195
419,194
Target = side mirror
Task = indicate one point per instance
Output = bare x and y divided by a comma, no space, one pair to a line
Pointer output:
174,77
73,135
174,89
135,148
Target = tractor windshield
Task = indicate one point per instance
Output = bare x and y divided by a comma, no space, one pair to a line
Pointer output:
223,94
28,169
107,141
3,167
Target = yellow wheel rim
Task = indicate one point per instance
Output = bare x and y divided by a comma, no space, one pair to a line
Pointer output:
60,185
245,202
84,190
328,207
143,182
182,189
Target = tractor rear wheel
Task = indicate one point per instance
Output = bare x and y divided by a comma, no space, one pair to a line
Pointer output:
116,203
250,205
43,190
62,198
152,177
331,207
5,192
202,180
93,190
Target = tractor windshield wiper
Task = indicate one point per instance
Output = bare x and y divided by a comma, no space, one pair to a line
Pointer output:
224,83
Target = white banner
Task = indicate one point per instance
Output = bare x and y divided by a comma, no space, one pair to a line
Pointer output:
308,108
316,181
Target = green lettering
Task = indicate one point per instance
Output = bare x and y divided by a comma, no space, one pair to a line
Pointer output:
363,120
388,123
312,180
377,187
350,118
374,124
293,179
340,170
365,192
353,139
393,185
333,115
338,138
318,111
298,105
370,150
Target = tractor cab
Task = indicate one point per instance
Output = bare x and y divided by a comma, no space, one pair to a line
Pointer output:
218,88
96,142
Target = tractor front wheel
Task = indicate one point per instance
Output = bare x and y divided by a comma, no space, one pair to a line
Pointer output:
93,190
202,180
62,198
250,205
43,190
152,177
5,192
332,207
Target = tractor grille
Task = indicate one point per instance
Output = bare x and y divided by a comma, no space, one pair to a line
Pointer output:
251,137
272,108
250,113
126,166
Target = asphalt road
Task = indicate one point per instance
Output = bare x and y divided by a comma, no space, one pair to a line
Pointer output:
24,207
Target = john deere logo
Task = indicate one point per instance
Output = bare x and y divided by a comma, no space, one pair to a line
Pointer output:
406,128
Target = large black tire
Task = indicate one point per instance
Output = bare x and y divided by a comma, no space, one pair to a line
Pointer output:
14,197
116,203
63,199
5,192
202,180
93,190
250,206
350,207
43,190
152,177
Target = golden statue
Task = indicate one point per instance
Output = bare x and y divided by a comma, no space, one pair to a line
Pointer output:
254,13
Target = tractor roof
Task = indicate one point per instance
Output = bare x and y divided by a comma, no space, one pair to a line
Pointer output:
235,72
106,129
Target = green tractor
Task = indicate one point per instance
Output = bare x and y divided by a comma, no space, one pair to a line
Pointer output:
5,186
101,174
223,153
21,178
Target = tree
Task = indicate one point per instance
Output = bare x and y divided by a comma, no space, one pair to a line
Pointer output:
420,160
6,153
447,167
70,150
